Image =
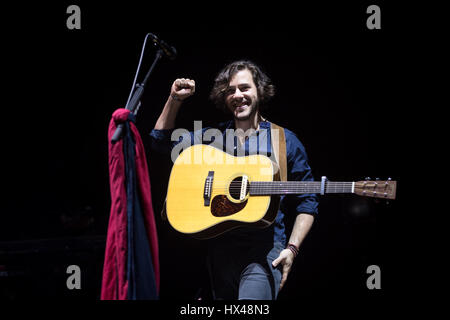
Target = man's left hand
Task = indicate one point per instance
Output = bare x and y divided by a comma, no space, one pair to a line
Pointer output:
286,258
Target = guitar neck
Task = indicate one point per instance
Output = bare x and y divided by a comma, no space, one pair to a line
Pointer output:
298,187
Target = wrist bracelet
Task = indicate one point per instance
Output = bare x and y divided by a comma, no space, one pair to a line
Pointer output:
293,248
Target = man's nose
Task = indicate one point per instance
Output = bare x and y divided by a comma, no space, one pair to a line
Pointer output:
238,94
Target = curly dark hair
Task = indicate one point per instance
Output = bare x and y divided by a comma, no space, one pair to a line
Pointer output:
264,86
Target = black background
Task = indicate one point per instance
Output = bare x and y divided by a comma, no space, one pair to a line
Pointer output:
338,88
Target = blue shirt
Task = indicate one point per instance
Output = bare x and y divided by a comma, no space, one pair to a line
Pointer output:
297,170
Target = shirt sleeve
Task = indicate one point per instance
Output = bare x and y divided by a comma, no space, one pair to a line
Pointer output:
160,141
298,170
163,141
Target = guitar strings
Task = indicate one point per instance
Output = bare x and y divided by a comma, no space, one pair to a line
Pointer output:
289,185
293,187
286,186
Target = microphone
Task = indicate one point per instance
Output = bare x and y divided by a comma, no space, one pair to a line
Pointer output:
169,51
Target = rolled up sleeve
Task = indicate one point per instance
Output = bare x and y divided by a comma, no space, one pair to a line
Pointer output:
160,141
163,141
299,170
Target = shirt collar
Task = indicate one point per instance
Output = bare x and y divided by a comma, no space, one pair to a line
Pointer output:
262,125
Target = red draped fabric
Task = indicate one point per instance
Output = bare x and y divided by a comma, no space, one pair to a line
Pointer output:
114,282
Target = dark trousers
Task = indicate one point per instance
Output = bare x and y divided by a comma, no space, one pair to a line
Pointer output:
244,271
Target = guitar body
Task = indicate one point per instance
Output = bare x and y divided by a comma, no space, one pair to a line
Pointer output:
211,191
206,196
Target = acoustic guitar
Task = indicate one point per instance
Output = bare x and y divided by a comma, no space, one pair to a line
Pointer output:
211,192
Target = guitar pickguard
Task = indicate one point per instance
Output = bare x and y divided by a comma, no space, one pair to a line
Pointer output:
222,207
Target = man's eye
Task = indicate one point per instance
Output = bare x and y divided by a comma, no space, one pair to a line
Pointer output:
229,91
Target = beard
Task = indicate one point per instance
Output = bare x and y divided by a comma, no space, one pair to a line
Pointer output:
246,114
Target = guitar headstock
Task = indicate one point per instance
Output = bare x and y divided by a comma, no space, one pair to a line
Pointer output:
384,189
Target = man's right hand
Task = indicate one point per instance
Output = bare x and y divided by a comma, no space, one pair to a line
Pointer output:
182,88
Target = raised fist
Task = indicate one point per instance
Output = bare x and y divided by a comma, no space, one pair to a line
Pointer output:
182,88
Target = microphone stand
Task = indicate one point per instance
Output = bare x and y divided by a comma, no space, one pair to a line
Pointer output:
135,99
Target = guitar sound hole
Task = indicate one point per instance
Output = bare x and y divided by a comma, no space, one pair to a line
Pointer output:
235,188
221,206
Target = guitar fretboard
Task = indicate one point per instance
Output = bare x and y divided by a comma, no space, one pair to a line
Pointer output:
298,187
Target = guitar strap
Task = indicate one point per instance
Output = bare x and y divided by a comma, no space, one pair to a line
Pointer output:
278,139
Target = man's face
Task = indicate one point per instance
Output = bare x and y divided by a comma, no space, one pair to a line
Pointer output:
241,97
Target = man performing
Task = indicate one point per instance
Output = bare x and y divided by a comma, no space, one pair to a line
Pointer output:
248,263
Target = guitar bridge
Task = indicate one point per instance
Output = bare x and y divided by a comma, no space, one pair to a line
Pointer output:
208,188
243,192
